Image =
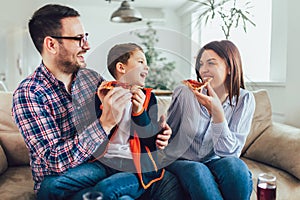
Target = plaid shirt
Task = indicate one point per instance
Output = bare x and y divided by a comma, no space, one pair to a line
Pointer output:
60,129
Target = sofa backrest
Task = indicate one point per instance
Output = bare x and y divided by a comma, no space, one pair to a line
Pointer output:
163,103
17,153
6,122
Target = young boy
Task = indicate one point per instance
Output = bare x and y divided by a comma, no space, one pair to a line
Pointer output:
130,155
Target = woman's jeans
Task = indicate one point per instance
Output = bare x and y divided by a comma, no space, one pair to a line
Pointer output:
95,176
225,178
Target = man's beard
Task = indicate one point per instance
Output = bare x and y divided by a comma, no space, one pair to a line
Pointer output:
66,65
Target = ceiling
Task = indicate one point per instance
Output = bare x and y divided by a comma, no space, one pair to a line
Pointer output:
17,5
15,12
135,3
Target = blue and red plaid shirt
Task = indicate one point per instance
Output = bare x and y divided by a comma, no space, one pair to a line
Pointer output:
60,129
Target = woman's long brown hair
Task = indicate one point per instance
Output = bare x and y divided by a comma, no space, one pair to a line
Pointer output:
231,55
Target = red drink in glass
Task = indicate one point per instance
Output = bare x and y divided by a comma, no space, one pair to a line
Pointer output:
266,187
266,191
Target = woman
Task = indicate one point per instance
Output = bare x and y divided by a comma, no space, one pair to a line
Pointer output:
210,127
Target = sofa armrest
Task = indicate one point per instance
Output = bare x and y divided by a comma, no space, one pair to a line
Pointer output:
3,161
278,146
14,147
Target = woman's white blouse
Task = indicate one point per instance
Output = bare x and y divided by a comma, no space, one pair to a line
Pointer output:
196,137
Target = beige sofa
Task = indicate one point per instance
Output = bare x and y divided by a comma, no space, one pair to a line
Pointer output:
270,147
15,174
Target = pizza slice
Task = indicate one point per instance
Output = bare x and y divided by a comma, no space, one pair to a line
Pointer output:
112,84
104,89
196,85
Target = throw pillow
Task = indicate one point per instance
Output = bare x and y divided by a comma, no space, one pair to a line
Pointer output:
262,117
278,146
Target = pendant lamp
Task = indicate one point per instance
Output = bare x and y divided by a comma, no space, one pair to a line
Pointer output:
126,14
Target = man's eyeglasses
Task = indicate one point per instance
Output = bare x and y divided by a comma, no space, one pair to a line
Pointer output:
82,39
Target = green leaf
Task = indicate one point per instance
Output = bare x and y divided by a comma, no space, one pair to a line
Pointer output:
211,9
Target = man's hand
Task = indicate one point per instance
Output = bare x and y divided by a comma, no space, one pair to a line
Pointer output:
164,135
114,103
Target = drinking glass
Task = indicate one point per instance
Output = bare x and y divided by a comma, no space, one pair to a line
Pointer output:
92,196
266,187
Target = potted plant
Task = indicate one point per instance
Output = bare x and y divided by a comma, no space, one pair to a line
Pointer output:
160,68
231,12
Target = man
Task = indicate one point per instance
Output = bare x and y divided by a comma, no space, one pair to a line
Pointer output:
54,110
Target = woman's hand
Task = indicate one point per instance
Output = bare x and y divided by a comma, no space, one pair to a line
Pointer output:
138,99
212,103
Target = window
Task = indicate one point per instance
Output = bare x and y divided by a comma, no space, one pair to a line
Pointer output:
254,46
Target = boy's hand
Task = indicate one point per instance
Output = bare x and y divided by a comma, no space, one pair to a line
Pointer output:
138,99
164,135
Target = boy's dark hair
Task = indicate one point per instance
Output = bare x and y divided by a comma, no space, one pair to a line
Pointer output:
120,53
46,21
232,58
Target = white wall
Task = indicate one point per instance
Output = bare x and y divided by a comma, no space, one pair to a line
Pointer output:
292,100
285,58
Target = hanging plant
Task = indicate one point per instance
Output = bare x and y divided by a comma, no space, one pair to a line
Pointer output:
160,69
230,13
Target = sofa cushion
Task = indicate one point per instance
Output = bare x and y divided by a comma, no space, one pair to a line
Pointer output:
3,161
262,117
14,147
278,146
17,183
288,187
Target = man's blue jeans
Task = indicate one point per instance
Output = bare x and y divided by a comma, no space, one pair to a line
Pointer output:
97,177
224,178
